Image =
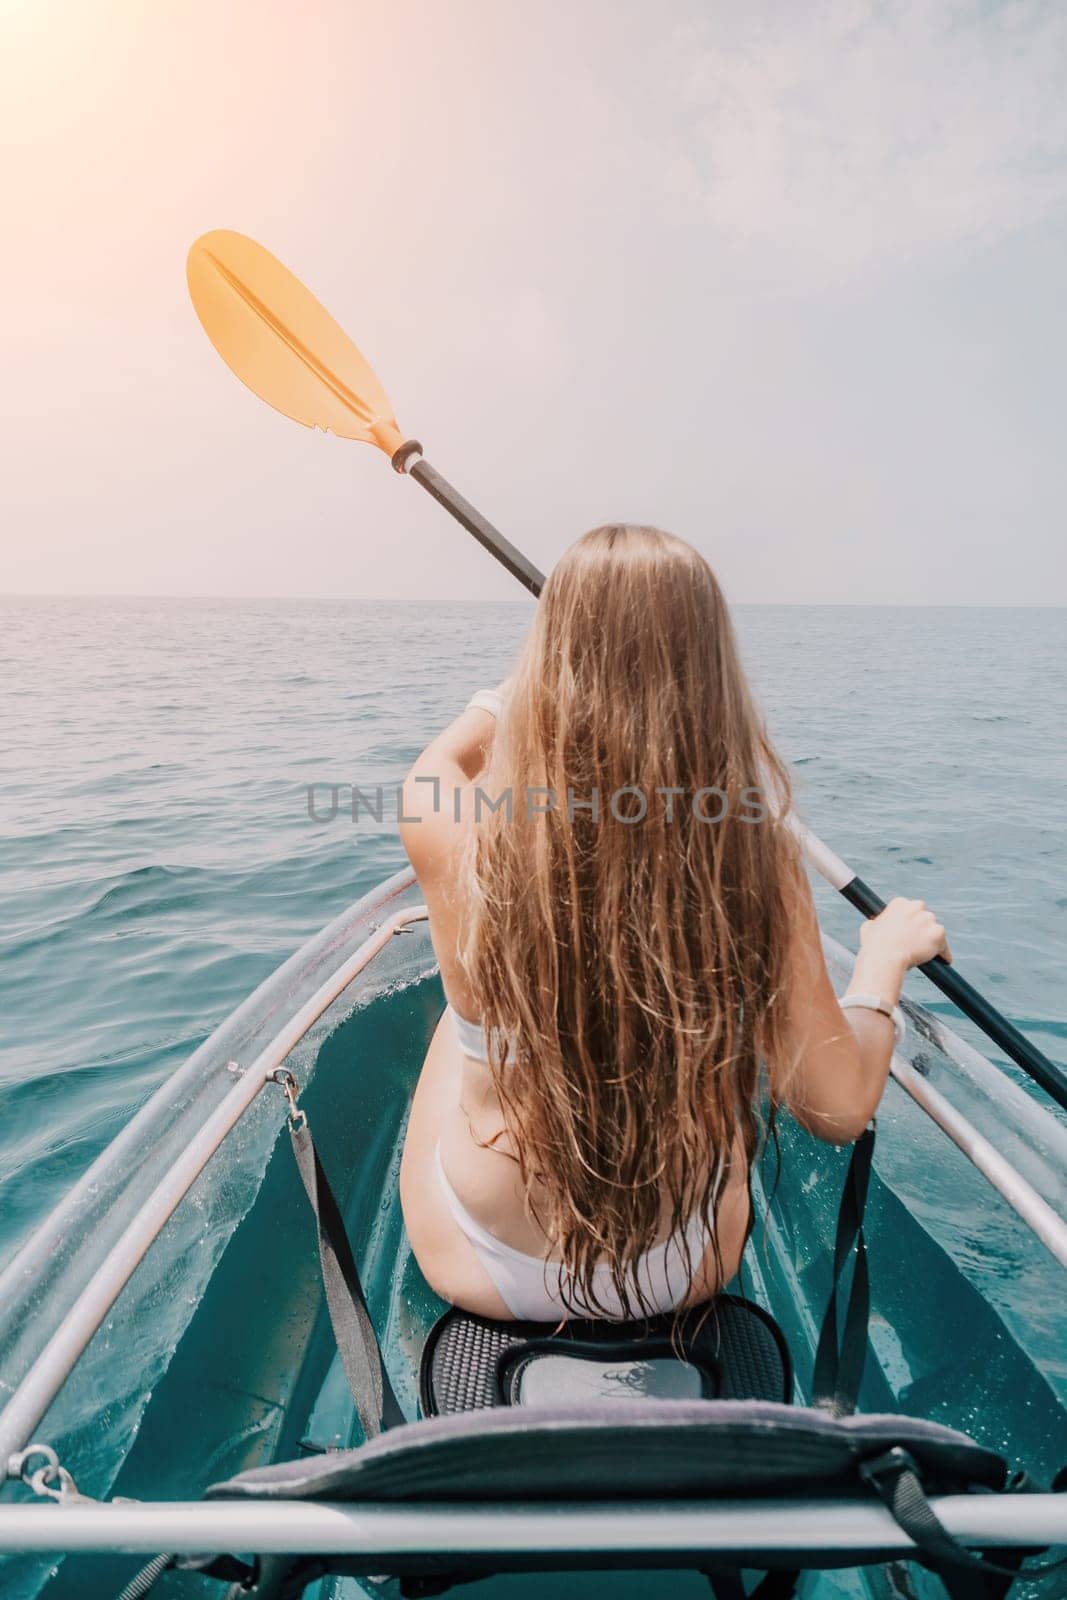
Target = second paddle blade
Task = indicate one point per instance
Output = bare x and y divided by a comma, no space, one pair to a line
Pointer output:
272,332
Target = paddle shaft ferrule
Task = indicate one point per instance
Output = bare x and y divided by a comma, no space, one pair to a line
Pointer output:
996,1027
489,537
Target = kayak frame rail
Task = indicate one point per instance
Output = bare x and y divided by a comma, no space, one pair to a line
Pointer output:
37,1390
1033,1209
546,1533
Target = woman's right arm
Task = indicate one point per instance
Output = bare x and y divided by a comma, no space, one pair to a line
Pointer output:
841,1058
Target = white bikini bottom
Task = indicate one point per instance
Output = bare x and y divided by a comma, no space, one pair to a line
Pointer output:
535,1290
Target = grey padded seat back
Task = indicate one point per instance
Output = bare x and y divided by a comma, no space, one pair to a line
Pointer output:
642,1449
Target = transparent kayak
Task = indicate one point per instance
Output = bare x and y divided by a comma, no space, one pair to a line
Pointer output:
164,1328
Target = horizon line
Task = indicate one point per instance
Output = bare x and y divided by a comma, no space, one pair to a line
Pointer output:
398,600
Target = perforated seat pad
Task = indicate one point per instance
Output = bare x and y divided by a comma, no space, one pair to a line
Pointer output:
633,1448
734,1338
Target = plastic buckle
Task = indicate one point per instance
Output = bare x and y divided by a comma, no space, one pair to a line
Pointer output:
884,1472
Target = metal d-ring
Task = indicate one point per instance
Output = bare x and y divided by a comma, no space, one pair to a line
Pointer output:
50,1480
288,1085
18,1465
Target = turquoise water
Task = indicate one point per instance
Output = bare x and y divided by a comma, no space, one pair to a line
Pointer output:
157,858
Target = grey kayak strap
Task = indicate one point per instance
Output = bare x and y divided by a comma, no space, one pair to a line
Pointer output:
896,1479
842,1349
357,1342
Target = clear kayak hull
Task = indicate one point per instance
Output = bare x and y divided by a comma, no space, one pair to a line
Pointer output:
218,1355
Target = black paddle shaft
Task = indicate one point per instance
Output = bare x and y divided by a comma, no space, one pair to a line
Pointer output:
1015,1045
488,536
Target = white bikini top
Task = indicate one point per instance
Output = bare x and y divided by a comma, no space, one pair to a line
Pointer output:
472,1038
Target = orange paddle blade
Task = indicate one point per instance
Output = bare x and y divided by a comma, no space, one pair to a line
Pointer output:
283,344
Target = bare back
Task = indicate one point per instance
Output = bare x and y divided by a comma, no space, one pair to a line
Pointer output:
457,1109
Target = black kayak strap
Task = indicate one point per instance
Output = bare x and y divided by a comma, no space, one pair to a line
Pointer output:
839,1360
842,1348
725,1584
353,1329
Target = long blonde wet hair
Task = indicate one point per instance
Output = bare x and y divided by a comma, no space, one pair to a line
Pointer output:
635,965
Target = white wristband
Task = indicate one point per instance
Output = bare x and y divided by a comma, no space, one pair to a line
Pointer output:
490,700
871,1002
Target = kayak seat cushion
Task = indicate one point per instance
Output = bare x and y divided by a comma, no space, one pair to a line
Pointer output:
730,1349
639,1448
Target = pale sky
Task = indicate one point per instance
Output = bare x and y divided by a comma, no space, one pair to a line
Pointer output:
786,279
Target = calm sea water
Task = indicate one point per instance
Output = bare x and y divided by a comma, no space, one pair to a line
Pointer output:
157,858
